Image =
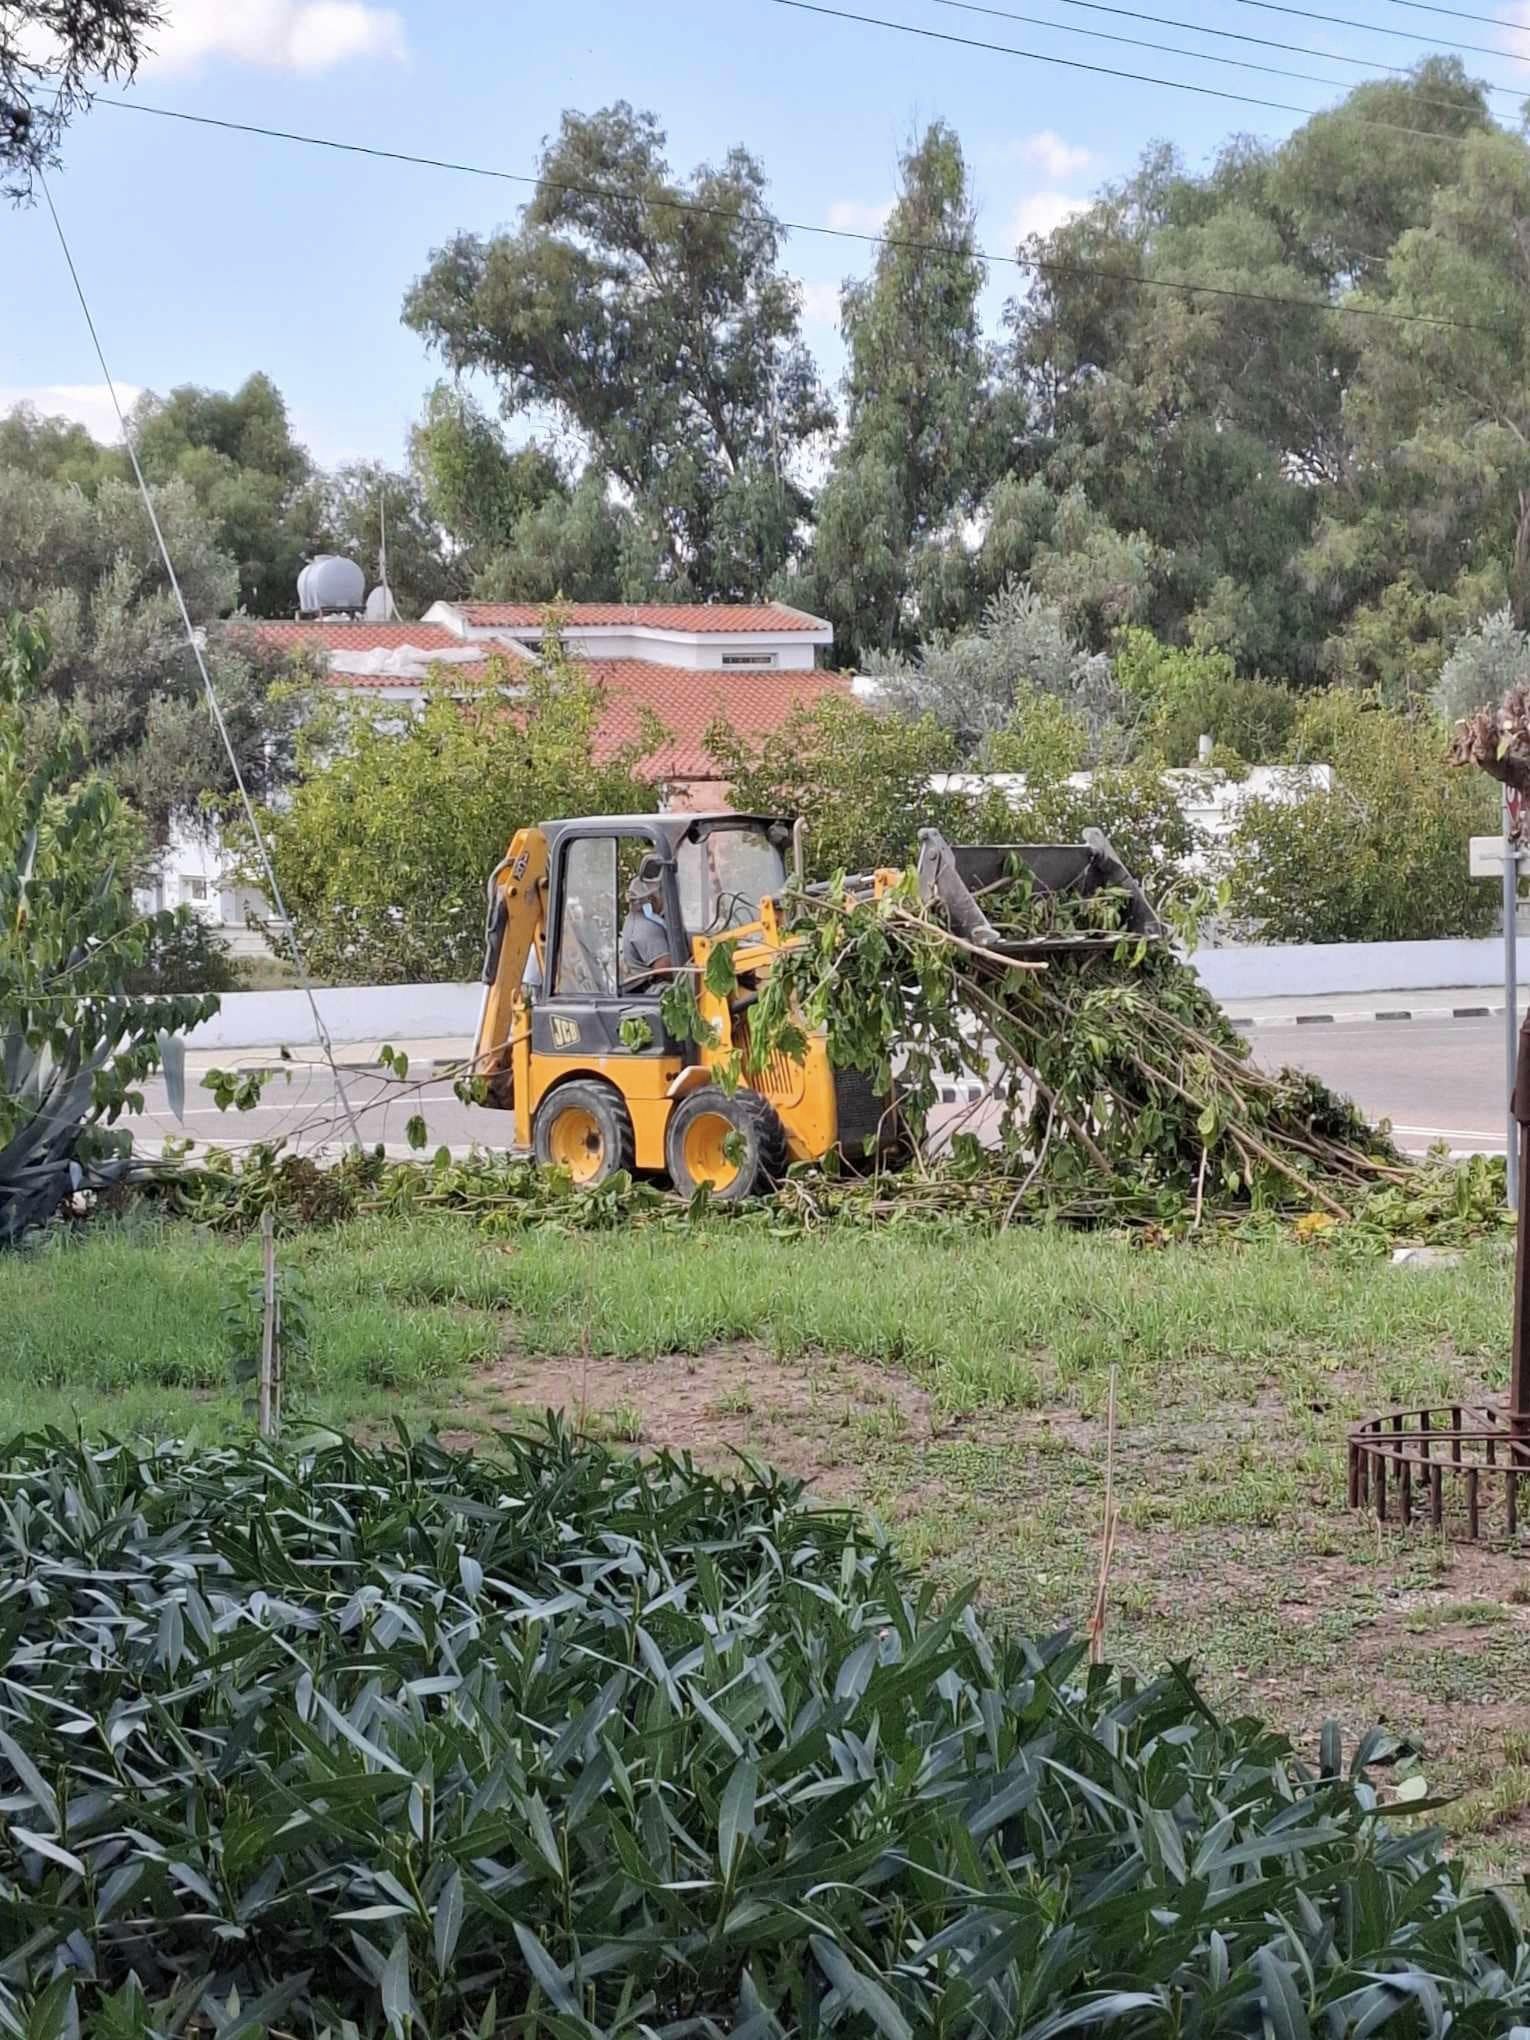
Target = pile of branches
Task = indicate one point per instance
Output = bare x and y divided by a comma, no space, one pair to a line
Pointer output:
1117,1087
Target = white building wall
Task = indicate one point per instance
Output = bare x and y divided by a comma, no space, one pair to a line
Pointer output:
760,650
196,871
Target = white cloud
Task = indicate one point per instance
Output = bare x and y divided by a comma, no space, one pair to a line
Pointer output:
88,404
306,36
858,216
820,303
1050,153
1042,212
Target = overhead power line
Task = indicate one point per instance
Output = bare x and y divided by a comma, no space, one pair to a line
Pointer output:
1041,264
1163,49
1438,42
1461,14
1264,42
1106,70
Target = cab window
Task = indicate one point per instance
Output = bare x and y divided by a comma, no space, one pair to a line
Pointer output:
723,876
587,924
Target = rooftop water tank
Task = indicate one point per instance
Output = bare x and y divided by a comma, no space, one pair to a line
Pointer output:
330,585
381,607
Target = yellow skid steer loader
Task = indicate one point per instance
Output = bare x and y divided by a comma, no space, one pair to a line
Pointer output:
589,921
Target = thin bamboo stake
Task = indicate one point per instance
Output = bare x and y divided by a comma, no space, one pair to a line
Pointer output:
1107,1535
263,1406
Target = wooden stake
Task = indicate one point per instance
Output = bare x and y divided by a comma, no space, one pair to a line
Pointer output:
1107,1535
264,1400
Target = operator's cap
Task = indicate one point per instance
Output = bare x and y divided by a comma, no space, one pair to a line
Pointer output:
647,880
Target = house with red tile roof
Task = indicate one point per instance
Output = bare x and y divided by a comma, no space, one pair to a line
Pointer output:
687,664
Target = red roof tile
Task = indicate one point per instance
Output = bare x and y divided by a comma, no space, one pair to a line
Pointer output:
354,637
697,616
687,700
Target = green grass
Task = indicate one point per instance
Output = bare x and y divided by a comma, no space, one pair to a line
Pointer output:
1239,1367
407,1307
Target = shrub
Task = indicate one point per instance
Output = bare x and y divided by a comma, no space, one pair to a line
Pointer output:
1190,693
862,780
972,683
189,956
73,1046
1379,858
564,1743
858,776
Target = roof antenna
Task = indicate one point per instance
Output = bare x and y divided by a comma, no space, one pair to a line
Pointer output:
381,607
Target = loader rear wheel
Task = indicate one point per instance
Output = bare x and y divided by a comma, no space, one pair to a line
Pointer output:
583,1128
734,1143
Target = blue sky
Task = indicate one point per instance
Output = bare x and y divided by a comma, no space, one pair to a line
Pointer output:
209,255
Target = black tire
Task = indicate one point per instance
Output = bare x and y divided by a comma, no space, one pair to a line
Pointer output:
583,1127
692,1144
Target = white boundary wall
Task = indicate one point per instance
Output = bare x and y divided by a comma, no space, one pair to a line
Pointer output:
351,1013
424,1012
1314,969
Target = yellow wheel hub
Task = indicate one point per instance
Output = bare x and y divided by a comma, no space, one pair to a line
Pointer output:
704,1147
574,1143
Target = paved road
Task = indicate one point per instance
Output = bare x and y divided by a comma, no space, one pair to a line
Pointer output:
1435,1080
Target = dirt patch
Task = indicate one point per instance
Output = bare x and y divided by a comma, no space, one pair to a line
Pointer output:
816,1417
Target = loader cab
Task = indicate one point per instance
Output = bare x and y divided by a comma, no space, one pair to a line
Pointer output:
712,873
709,874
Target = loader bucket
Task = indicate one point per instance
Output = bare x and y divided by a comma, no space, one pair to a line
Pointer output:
957,876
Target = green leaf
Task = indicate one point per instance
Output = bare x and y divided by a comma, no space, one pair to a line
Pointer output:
50,1849
735,1815
397,1998
719,977
416,1132
550,1978
36,1785
448,1921
859,1991
56,2013
1283,2007
354,1736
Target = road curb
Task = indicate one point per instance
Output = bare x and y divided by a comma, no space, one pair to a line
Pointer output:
419,1067
1261,1020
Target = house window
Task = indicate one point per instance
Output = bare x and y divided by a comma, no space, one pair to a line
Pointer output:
193,888
749,658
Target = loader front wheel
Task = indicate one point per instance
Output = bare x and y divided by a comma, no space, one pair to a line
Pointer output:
734,1143
584,1129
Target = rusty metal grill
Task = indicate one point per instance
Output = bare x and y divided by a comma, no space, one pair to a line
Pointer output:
1457,1467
